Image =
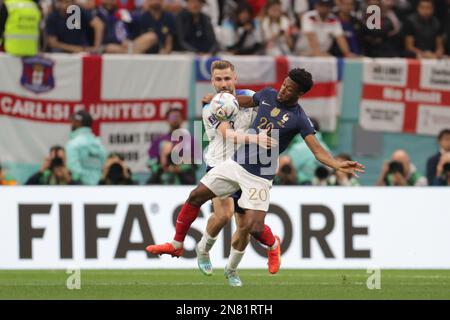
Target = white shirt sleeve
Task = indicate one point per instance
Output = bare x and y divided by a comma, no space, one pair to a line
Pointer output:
307,23
301,6
337,30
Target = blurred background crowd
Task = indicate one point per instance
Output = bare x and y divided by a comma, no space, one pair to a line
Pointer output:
407,28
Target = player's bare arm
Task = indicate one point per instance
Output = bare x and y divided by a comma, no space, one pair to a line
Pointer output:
244,101
327,159
240,137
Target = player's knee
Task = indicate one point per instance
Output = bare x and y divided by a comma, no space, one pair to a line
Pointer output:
194,198
256,228
222,219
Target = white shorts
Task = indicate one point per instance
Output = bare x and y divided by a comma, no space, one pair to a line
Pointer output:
228,177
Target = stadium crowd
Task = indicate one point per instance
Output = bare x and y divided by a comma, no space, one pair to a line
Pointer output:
408,28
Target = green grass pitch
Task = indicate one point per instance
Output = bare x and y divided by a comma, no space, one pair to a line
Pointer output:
192,285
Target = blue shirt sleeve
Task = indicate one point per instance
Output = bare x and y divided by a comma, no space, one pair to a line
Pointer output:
258,96
50,26
305,126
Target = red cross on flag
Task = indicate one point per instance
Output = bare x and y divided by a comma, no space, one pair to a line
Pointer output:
405,95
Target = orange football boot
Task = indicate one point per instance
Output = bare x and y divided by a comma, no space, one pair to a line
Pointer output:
275,257
165,248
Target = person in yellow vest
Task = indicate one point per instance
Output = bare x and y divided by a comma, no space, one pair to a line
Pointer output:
21,30
5,179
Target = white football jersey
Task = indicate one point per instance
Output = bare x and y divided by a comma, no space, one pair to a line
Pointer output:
219,149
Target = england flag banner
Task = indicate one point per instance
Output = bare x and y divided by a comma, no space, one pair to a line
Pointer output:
127,98
258,72
409,96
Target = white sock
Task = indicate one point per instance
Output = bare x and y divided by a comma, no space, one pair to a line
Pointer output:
234,259
177,244
206,242
274,246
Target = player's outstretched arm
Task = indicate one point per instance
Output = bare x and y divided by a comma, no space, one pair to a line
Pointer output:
244,101
240,137
327,159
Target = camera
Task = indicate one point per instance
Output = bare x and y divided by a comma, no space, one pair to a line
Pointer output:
446,169
321,173
396,167
56,163
286,169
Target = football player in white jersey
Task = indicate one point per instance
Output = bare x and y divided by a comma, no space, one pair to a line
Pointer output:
224,139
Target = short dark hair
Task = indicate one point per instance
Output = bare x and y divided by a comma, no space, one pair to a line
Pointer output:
302,78
428,1
84,117
56,147
173,110
443,133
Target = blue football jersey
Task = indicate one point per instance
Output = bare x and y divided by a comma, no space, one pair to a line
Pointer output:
283,122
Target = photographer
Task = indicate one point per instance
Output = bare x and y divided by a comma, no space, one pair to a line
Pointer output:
400,172
321,175
115,172
162,169
339,178
5,179
168,173
286,174
442,177
53,171
444,147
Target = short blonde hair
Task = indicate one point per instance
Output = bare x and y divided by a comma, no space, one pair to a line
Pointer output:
221,65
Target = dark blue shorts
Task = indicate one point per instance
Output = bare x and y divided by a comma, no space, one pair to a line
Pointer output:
235,197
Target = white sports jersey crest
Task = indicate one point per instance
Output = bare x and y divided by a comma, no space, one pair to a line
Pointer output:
220,149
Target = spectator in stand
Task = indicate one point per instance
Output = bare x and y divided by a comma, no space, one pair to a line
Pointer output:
5,179
286,174
85,152
195,32
294,10
338,178
379,42
3,17
173,6
116,172
163,170
241,34
350,25
276,30
400,171
118,31
423,31
320,27
53,171
257,6
390,9
444,147
303,159
158,21
62,39
442,177
446,25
